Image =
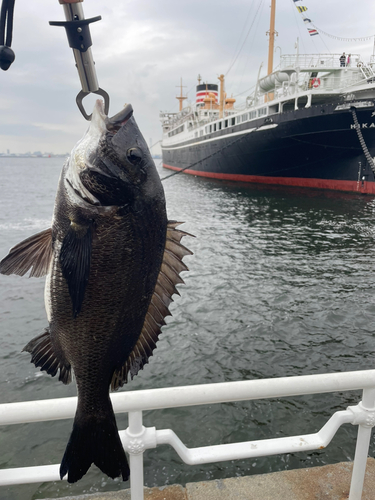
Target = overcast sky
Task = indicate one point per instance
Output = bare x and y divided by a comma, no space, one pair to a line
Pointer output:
143,47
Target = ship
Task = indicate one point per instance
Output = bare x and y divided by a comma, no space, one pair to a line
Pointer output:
310,122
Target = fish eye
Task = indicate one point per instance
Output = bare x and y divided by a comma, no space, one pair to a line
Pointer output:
134,155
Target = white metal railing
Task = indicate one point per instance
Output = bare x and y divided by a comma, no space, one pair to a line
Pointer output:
136,438
367,71
329,83
315,61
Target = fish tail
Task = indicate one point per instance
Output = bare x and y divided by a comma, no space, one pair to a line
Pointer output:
94,440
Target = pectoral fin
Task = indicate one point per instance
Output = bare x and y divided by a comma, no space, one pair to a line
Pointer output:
34,253
169,277
75,260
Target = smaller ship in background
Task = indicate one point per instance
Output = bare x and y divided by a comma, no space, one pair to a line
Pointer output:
310,123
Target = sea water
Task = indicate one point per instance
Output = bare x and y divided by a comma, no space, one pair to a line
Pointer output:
281,283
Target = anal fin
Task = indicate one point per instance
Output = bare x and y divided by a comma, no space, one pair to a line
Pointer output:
43,355
168,278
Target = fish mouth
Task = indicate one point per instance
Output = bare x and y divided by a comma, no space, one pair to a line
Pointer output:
119,120
100,121
85,158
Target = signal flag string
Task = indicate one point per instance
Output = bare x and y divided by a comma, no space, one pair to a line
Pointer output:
314,30
343,39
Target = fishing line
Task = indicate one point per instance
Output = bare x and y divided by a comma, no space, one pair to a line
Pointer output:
157,142
215,153
182,170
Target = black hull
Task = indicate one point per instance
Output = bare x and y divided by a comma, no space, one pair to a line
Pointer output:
311,147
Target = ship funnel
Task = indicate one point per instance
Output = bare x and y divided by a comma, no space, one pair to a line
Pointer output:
204,90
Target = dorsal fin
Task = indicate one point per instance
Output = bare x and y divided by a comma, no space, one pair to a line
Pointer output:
169,277
34,253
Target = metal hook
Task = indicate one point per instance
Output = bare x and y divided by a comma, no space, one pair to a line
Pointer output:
82,94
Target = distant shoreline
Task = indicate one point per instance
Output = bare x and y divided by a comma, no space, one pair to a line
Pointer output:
156,157
34,156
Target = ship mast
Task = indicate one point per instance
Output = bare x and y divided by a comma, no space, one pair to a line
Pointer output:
181,97
271,44
272,33
221,96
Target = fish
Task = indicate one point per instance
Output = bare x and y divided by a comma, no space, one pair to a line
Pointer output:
112,261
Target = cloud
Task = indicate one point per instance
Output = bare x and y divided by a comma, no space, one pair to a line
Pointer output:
142,49
6,104
54,127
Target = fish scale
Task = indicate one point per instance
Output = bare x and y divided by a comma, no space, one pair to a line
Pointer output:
113,310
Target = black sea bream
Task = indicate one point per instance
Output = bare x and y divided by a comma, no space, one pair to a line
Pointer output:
112,261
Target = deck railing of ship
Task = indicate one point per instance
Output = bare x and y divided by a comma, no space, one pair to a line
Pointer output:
137,438
329,83
315,61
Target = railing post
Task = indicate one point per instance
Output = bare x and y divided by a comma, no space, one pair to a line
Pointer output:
363,442
136,449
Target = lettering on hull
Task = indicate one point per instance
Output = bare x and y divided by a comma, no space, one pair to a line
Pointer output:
364,125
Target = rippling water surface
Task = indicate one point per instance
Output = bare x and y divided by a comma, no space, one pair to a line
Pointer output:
281,283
